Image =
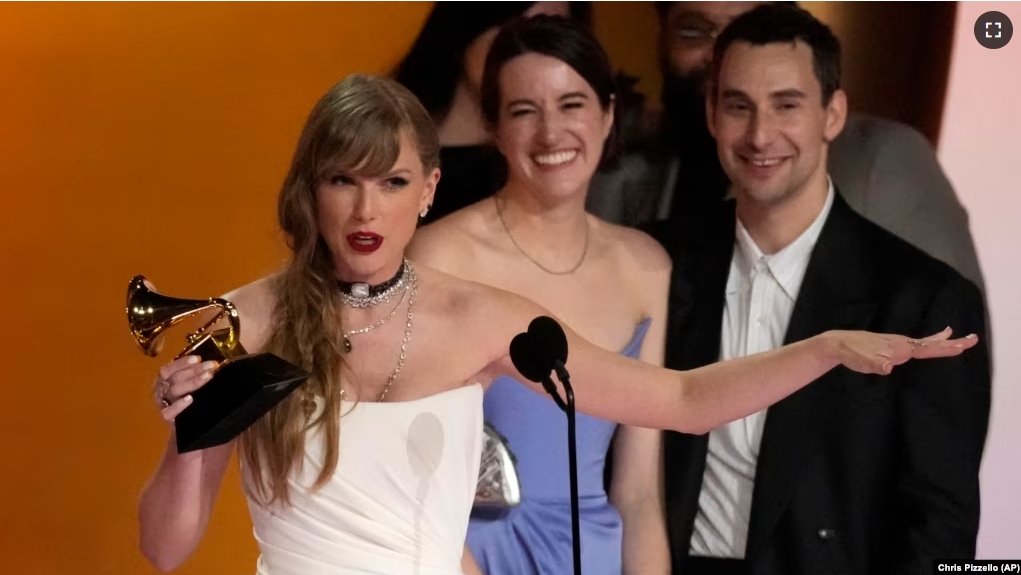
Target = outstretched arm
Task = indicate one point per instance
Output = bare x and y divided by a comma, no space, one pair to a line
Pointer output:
695,401
609,386
699,400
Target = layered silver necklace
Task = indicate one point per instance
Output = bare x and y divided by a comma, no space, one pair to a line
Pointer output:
363,295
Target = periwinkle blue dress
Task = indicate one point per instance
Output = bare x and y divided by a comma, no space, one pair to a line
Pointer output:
535,537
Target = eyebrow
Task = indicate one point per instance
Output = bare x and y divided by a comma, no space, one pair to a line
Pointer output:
788,93
567,96
733,93
398,172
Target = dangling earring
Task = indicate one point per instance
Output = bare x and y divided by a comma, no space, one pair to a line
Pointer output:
424,211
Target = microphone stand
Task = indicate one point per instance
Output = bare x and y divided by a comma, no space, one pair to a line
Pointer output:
551,388
572,446
542,349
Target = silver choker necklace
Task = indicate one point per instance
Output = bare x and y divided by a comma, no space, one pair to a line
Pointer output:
360,294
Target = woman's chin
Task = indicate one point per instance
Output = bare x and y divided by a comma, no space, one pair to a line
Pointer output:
563,189
373,268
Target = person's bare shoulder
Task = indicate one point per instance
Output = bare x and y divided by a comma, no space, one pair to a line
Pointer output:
485,316
255,303
447,243
645,266
635,248
461,299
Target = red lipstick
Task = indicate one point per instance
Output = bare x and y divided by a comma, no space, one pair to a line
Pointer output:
364,242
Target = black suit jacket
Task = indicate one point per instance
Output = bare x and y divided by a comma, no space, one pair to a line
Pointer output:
856,473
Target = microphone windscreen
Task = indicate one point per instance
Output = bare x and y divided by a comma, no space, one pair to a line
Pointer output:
549,337
530,361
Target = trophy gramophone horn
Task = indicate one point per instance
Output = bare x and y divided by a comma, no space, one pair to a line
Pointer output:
151,313
244,386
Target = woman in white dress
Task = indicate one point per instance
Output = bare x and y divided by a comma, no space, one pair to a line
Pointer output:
400,355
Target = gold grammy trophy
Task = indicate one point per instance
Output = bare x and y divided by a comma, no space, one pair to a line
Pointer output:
244,387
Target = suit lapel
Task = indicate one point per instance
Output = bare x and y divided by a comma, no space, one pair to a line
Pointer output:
836,293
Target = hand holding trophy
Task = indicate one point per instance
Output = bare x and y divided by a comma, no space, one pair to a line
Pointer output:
244,386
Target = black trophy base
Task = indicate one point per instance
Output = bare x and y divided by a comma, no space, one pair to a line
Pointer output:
241,391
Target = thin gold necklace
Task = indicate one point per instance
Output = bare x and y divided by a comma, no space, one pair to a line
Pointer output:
584,251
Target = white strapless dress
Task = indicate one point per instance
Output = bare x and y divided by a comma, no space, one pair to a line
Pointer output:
399,501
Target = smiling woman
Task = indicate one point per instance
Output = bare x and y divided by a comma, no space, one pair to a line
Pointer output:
444,70
548,95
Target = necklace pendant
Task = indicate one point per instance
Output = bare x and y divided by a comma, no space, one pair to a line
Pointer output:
347,345
360,290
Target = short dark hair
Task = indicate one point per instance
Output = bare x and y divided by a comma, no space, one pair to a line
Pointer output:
776,23
556,37
435,63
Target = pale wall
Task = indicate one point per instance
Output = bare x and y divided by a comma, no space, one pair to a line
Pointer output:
980,149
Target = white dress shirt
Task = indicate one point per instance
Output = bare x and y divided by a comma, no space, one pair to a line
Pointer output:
761,291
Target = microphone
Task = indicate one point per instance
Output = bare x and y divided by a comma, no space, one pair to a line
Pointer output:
535,363
532,361
551,337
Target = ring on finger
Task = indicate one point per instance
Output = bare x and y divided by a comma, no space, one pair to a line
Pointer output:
163,400
163,392
162,385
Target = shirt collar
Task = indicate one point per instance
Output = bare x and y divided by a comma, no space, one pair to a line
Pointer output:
787,265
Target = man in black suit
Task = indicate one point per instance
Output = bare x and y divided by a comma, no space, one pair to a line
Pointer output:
853,474
887,171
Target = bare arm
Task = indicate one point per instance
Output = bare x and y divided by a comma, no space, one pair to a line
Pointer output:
637,487
699,400
637,493
178,500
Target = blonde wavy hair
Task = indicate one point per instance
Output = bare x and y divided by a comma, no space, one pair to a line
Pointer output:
355,128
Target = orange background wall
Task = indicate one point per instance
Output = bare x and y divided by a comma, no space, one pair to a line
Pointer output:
151,138
138,138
